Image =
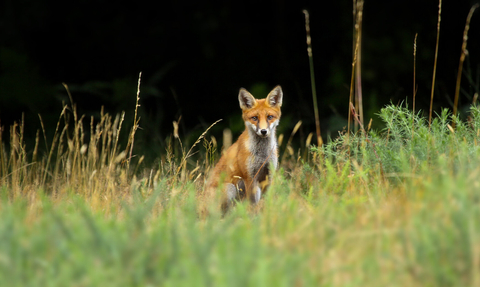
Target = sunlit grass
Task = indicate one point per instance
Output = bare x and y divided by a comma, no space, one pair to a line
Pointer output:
383,208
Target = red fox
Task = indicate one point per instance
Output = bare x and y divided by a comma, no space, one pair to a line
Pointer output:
243,170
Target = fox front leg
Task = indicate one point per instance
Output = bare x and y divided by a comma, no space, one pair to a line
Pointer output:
232,192
256,194
235,192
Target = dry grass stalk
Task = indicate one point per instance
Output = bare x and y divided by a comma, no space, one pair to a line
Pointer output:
435,63
135,122
414,79
312,78
182,166
355,81
358,63
462,58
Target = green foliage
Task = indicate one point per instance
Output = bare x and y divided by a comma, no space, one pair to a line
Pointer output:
398,207
67,243
408,144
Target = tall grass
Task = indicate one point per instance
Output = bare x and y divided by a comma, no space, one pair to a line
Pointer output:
432,92
396,207
312,77
462,57
383,208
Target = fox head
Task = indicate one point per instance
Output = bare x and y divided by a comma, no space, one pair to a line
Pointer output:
261,116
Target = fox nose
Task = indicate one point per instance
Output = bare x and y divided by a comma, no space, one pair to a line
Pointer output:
264,132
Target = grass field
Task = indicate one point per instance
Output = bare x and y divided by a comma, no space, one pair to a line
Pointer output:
398,207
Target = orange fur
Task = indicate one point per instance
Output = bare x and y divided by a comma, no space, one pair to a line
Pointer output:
244,166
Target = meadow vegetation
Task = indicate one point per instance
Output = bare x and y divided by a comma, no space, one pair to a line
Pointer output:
396,207
393,207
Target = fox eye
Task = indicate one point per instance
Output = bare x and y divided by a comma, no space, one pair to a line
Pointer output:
270,117
254,118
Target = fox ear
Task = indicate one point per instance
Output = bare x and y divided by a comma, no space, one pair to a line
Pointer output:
247,101
275,97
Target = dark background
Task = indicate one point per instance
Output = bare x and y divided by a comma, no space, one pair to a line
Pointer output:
194,58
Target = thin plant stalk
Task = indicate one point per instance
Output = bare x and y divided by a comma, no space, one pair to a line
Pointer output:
414,80
350,100
312,78
355,81
358,66
435,63
135,122
189,153
462,59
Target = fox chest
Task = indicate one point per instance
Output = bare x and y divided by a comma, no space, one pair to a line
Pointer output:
258,163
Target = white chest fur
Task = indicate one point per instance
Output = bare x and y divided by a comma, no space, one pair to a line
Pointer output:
263,152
